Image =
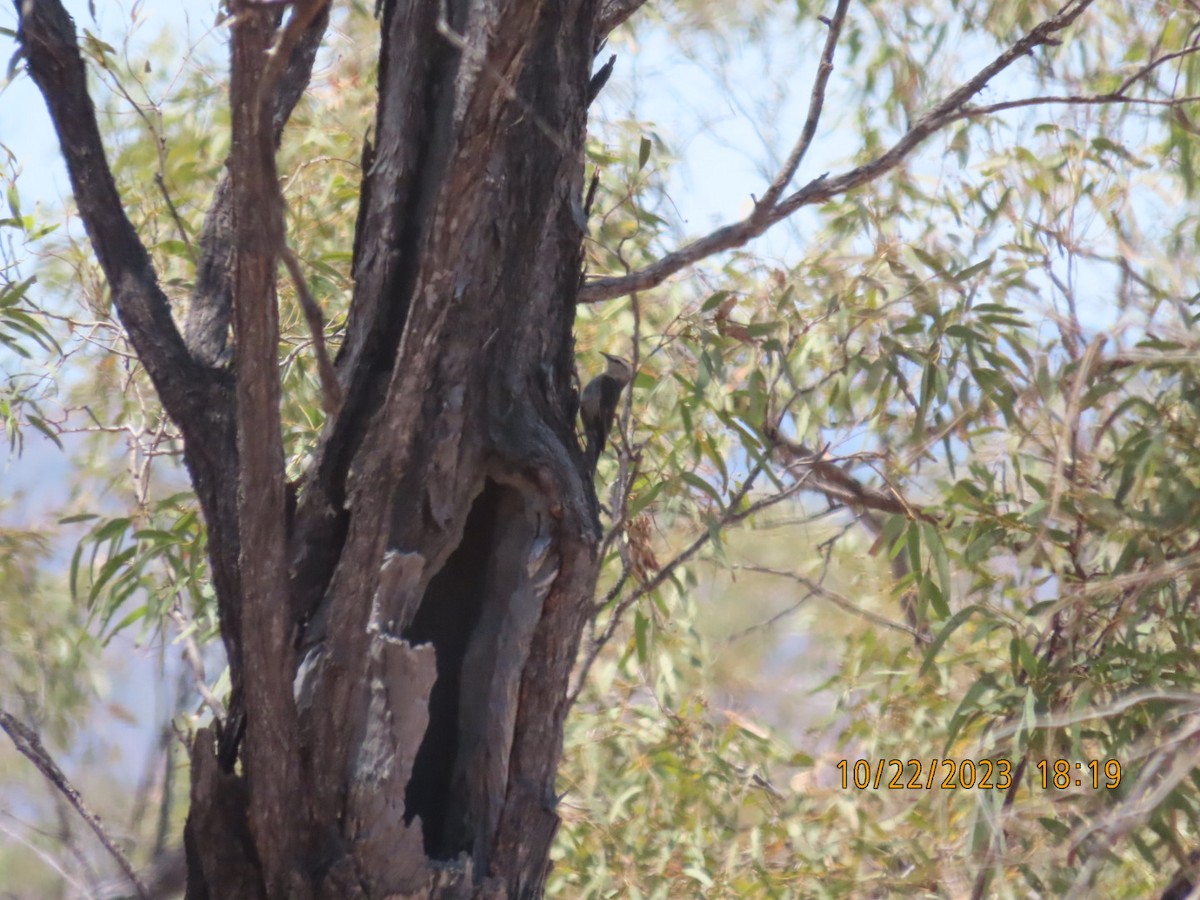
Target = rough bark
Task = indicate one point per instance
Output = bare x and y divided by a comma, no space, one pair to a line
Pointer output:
210,306
401,637
277,814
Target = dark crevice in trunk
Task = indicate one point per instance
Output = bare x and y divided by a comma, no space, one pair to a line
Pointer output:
380,307
447,618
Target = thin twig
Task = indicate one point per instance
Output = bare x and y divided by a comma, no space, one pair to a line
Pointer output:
815,589
831,480
824,188
192,656
816,103
974,112
331,391
29,745
1154,64
731,517
166,195
45,857
1074,410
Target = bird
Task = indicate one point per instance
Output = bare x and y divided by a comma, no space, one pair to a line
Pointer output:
598,405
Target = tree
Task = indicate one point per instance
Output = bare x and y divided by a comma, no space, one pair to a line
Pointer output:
402,620
481,425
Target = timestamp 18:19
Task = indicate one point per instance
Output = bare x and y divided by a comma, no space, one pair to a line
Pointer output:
1061,774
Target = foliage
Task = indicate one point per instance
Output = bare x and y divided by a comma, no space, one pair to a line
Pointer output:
1000,331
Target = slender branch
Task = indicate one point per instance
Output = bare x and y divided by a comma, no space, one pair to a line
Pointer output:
832,481
1154,64
210,305
815,589
183,235
732,516
165,877
195,660
824,188
614,13
302,19
160,143
45,857
816,103
1064,447
47,35
974,112
331,391
29,745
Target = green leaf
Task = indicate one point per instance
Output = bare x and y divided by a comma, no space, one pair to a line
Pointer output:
79,517
644,498
111,529
13,294
914,546
962,332
697,482
640,626
971,271
952,625
73,578
937,549
931,261
967,706
40,424
111,567
135,615
933,594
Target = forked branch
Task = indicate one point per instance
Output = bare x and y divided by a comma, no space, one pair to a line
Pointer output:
47,35
614,13
29,744
823,188
816,103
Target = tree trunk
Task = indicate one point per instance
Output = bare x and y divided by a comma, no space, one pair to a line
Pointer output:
400,625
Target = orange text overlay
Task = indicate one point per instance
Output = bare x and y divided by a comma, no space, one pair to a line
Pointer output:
926,774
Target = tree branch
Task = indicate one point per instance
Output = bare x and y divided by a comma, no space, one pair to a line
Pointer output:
821,474
823,188
734,513
47,35
331,391
615,13
815,104
277,811
210,305
974,112
816,589
29,745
